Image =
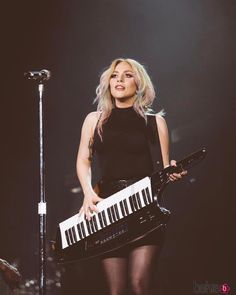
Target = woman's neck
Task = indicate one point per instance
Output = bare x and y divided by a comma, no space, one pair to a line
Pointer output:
124,103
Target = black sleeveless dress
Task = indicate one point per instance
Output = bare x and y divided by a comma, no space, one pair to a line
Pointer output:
124,153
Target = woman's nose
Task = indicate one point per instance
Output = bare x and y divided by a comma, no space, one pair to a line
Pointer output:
120,78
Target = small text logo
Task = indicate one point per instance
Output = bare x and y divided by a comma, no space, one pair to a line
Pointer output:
210,288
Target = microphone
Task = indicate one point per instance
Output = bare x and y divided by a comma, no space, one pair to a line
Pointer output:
38,75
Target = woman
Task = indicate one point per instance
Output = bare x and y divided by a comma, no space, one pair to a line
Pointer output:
117,132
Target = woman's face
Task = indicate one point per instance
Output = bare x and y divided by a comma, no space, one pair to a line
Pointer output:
122,82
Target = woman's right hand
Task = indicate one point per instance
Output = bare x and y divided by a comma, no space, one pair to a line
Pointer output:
89,204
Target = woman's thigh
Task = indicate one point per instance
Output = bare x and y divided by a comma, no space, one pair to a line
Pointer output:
143,262
115,269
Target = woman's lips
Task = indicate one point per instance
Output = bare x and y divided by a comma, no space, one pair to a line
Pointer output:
120,87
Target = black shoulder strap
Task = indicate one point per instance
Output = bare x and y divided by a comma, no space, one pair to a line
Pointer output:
154,142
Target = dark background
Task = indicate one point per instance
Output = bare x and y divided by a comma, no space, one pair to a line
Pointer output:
188,47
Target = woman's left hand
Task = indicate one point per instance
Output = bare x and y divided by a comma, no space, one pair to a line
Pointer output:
176,176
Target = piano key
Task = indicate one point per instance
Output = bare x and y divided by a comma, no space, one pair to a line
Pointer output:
91,225
131,203
87,227
74,232
100,220
83,229
148,195
95,222
135,202
126,207
67,237
139,200
122,209
71,236
79,231
109,214
104,218
144,197
117,212
113,213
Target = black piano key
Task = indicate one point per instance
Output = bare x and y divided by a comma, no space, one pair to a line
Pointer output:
79,231
109,214
74,234
82,229
71,236
144,197
117,212
126,206
131,203
104,218
113,213
67,237
88,226
148,195
122,208
94,223
91,225
138,200
135,202
100,219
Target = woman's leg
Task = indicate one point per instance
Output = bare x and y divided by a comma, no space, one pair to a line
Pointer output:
116,274
142,267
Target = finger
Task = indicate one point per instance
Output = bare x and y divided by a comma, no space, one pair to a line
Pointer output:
173,163
94,208
87,215
85,210
177,175
171,177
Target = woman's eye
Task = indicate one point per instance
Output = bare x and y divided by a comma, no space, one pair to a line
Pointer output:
129,75
113,75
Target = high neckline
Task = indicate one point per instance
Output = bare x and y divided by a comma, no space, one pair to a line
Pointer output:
126,108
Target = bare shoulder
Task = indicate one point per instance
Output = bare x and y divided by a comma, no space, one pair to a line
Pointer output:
161,122
91,120
91,117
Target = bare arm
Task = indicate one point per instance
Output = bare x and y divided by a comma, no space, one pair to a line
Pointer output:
164,139
83,164
164,142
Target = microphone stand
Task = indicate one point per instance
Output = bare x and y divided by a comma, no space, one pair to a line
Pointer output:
39,77
42,206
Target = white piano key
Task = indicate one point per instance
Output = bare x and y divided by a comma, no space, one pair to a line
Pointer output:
98,222
85,228
129,207
77,234
142,200
119,210
107,217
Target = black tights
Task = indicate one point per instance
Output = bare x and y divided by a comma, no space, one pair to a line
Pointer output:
132,273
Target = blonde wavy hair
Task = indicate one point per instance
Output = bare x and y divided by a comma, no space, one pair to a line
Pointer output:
145,93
